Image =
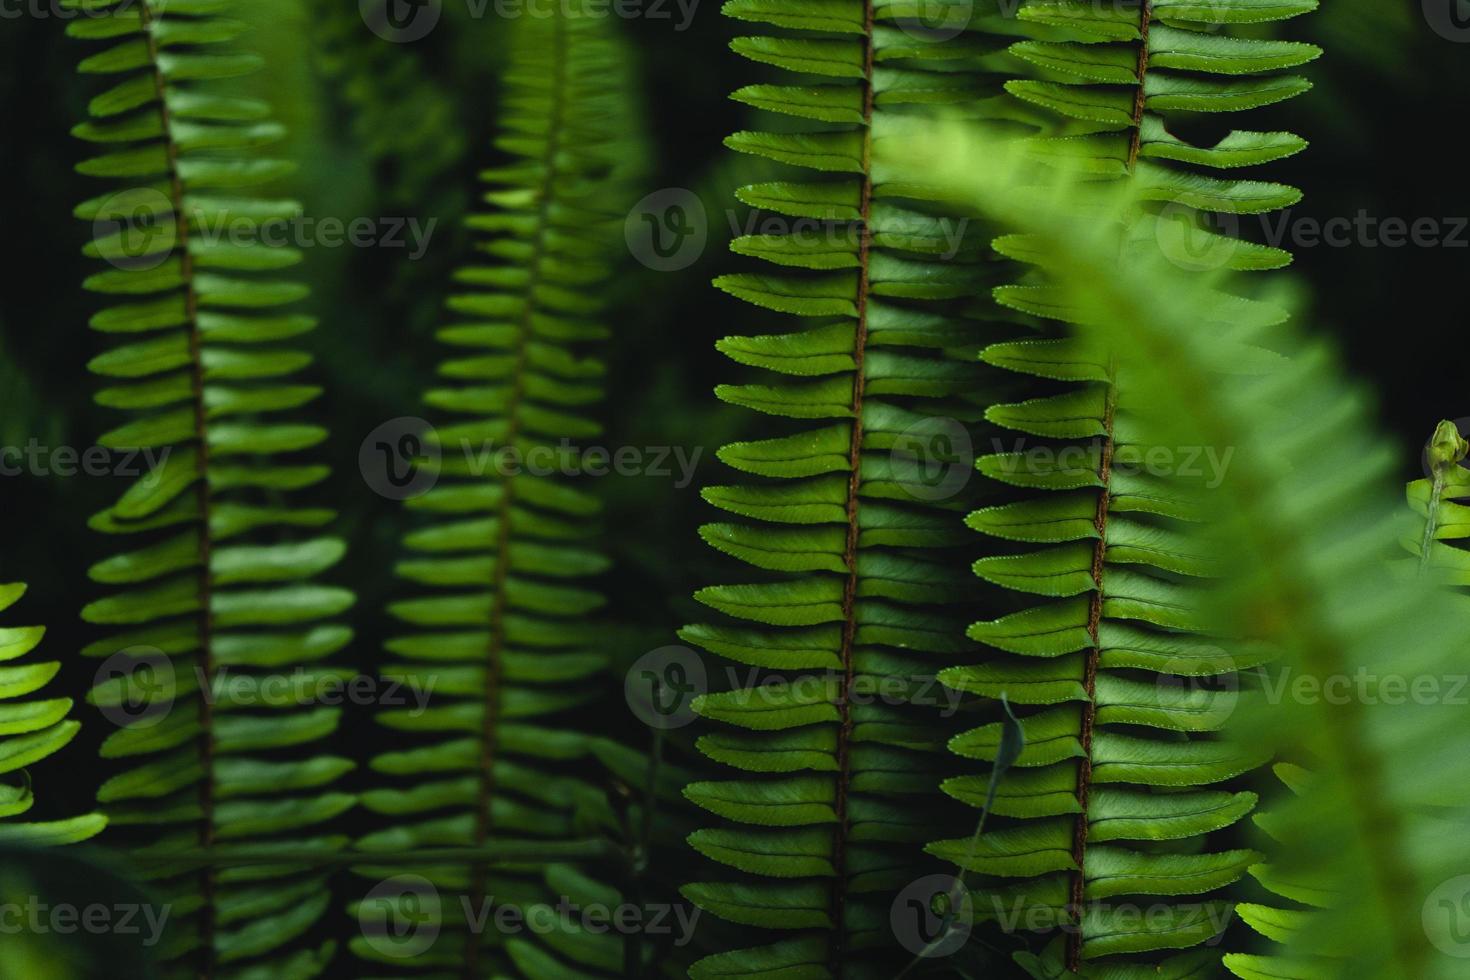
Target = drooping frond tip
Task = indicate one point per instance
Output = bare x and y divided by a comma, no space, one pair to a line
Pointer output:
31,730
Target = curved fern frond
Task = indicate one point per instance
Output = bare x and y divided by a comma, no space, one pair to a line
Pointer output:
30,731
837,735
1317,899
215,603
1436,499
506,642
1126,683
1370,848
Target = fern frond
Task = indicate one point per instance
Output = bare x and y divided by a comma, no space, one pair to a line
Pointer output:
506,639
1126,684
31,730
859,593
216,598
1125,79
1369,849
1434,548
1316,897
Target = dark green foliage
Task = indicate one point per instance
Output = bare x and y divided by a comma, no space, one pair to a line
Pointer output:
1183,510
213,579
31,730
1371,856
401,116
507,641
45,879
1123,777
1364,851
834,724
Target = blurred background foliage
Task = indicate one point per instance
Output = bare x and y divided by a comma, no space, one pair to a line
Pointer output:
385,130
50,896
